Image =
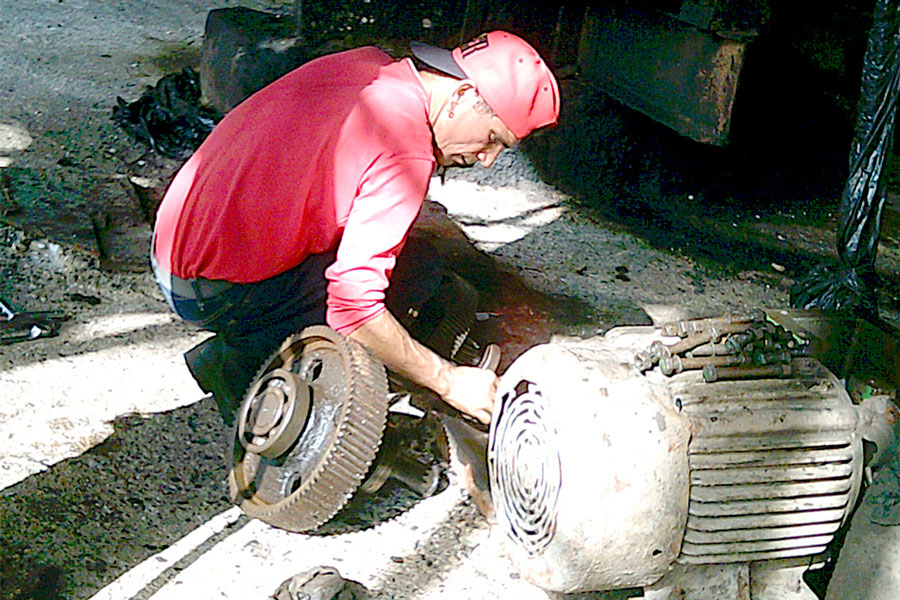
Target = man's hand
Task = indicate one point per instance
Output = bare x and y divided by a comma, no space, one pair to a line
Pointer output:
468,389
472,391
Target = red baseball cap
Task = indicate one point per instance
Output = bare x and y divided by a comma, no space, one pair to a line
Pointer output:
509,74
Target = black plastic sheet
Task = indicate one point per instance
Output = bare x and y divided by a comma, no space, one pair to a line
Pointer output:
851,286
168,117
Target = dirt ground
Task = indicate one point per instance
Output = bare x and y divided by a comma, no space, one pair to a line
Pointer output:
111,453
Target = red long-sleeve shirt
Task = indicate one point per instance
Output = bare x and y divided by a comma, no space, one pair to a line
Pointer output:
337,153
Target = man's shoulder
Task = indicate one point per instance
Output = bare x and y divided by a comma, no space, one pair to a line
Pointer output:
397,91
396,105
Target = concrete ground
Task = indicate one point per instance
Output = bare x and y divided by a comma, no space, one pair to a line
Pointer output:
112,462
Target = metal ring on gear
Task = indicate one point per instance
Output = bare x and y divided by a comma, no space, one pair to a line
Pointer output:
273,417
297,473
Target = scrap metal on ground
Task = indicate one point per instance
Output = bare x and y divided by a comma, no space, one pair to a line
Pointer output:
16,326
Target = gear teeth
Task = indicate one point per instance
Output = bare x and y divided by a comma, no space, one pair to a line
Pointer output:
451,333
354,446
372,509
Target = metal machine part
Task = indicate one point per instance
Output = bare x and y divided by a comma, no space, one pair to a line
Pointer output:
308,430
444,321
673,71
775,464
588,468
608,473
313,429
424,478
23,326
411,464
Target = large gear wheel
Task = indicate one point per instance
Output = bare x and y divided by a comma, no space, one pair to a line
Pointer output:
308,430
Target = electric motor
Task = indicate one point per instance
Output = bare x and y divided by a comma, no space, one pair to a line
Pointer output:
606,472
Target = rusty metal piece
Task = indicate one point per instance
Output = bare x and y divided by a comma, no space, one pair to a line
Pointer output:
588,469
847,345
326,461
702,334
709,333
692,326
758,333
712,373
691,341
444,321
749,341
710,350
674,73
490,360
883,422
23,326
273,417
392,464
677,364
775,463
770,338
771,358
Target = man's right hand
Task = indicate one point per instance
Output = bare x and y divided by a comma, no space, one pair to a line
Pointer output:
468,389
472,391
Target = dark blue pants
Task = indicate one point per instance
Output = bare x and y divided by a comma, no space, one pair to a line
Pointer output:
252,319
256,317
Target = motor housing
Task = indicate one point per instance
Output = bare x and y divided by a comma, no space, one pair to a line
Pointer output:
606,474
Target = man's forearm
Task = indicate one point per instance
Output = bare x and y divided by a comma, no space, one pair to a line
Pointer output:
468,389
399,352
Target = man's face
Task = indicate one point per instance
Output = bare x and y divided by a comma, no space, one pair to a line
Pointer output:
473,134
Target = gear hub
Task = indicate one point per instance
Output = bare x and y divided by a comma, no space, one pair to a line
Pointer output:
308,430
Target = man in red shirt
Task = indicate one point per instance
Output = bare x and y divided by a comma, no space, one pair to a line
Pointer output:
293,211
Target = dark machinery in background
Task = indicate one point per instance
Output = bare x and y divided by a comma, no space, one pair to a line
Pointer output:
680,62
677,62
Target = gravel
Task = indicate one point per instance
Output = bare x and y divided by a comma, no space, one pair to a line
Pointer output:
111,453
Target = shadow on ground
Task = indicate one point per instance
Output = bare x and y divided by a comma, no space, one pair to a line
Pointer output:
70,530
785,163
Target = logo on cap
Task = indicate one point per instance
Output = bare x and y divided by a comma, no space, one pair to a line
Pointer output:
512,78
479,43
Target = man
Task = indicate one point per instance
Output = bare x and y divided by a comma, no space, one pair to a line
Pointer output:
294,210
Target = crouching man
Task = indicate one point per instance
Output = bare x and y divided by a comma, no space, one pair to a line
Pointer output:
295,208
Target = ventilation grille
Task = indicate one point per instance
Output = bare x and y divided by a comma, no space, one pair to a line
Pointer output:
775,465
525,469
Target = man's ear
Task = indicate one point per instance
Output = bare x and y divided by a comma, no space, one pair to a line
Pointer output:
462,88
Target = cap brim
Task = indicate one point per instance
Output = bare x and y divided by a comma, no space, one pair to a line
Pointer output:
437,58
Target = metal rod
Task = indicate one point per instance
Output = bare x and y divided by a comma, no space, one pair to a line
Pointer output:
711,350
710,334
713,373
691,364
688,327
